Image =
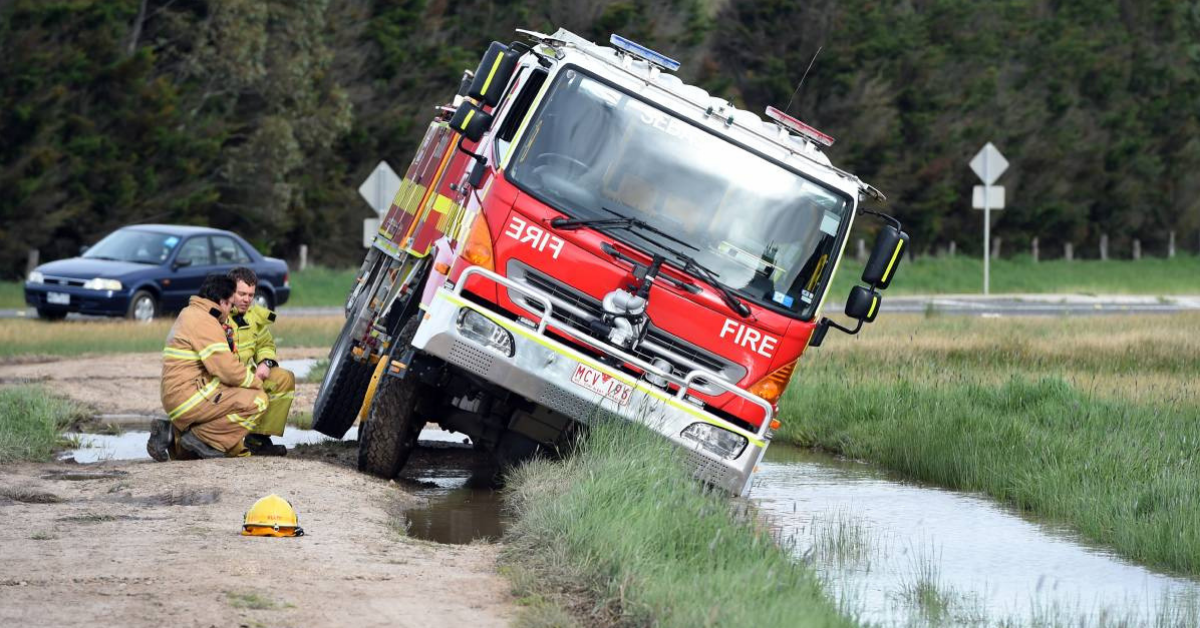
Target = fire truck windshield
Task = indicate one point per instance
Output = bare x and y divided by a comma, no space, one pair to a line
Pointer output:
769,233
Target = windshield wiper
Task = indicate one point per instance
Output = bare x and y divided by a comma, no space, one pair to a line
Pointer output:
620,222
690,266
105,258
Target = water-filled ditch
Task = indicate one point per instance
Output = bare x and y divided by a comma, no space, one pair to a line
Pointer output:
897,553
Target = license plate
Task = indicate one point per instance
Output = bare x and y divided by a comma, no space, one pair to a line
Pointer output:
602,383
58,298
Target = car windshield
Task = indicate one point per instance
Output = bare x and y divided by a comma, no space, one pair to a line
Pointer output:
134,245
769,233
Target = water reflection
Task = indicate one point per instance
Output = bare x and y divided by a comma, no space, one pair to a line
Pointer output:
897,553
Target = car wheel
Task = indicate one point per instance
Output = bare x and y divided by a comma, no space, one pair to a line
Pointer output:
263,299
51,315
143,307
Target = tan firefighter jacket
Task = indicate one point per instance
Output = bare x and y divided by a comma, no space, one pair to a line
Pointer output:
252,335
197,359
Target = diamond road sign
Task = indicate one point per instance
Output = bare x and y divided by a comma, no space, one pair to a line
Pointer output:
380,188
989,164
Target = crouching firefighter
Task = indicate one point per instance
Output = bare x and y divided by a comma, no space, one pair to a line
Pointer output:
212,400
255,347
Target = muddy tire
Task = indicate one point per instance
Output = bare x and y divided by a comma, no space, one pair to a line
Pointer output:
342,390
389,434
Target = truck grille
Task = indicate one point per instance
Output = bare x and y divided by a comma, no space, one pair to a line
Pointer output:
578,310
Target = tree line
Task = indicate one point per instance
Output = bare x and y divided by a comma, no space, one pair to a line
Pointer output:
263,116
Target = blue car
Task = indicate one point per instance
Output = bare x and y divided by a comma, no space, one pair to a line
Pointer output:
142,271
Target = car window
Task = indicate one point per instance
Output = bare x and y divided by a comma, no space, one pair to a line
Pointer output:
228,252
134,245
195,251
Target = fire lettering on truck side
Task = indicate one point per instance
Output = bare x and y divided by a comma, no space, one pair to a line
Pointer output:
536,237
752,339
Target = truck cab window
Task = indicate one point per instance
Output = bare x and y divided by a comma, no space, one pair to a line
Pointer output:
528,84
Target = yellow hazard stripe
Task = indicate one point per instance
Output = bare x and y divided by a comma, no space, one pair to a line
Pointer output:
216,347
874,304
892,264
492,74
180,354
260,403
282,395
621,377
249,379
194,400
248,422
467,120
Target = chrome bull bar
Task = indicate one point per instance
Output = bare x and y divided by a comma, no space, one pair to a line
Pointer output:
684,383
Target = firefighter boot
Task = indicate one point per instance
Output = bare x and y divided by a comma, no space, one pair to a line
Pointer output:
261,445
192,443
159,444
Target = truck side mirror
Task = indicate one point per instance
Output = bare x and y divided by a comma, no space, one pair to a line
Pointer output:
471,121
885,257
863,304
491,77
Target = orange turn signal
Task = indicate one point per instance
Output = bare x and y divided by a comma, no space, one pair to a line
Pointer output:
478,249
772,386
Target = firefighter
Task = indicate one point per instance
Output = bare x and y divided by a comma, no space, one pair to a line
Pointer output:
256,349
211,398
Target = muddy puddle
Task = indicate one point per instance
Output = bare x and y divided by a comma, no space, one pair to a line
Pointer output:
463,503
894,553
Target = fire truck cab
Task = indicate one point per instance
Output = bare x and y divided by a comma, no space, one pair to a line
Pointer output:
581,237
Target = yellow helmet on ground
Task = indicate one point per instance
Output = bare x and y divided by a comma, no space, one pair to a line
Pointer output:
271,516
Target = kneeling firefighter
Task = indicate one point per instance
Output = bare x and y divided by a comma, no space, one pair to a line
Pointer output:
211,398
255,346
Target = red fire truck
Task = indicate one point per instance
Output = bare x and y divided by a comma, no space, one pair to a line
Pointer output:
582,236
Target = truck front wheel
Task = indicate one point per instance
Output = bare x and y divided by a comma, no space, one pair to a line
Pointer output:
389,435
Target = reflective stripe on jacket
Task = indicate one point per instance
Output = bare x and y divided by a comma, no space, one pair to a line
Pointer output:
197,359
252,334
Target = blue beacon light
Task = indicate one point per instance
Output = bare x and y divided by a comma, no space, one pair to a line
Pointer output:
642,52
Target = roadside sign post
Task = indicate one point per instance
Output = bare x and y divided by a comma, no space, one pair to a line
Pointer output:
378,190
988,165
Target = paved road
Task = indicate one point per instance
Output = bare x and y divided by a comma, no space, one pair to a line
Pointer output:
963,304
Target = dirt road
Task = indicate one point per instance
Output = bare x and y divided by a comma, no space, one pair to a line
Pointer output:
147,544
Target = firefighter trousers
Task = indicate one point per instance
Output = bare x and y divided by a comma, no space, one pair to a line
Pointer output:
224,418
280,386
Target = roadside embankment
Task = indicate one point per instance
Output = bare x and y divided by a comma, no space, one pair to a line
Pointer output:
619,534
1091,422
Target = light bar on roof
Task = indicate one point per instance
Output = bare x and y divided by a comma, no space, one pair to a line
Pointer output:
644,53
792,124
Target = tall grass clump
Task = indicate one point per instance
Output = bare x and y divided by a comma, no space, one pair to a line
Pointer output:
622,524
1092,423
12,295
31,421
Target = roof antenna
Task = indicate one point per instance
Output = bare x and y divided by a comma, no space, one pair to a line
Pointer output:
810,65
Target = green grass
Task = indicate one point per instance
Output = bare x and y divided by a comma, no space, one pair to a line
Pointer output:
253,601
12,295
317,286
1093,422
20,337
300,420
317,372
621,525
31,421
1020,275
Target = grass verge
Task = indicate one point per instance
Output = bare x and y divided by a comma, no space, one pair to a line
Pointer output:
31,422
1092,422
12,295
19,337
317,286
964,275
622,535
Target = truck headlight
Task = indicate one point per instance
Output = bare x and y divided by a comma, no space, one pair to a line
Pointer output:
102,284
35,277
481,329
716,440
